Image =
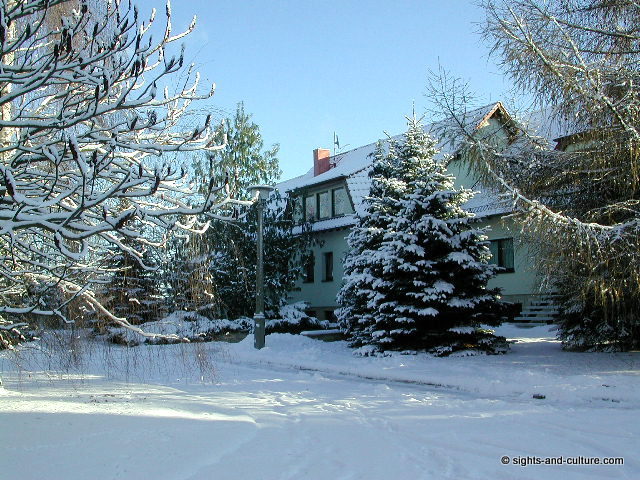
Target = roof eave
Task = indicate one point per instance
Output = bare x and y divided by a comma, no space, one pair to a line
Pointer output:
321,183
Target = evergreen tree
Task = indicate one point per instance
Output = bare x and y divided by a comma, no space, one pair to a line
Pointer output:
438,262
233,269
427,269
243,161
132,292
184,275
363,281
215,274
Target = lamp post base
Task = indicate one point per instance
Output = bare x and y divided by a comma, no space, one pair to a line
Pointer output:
258,330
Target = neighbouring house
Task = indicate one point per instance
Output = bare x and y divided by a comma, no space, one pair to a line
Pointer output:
328,197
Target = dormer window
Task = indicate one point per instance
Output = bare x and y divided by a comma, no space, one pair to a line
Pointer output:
340,202
324,204
310,208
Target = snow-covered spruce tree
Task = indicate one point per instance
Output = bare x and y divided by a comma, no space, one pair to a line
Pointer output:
579,60
363,281
83,125
416,273
437,262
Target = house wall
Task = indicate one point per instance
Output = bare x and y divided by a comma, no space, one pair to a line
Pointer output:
518,286
464,176
491,131
521,285
321,295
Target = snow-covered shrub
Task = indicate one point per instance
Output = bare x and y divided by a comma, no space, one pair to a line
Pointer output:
580,331
178,327
293,319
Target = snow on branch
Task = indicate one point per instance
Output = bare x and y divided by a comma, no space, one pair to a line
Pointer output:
572,168
84,138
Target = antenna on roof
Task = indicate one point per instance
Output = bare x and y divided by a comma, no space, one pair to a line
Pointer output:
336,149
336,144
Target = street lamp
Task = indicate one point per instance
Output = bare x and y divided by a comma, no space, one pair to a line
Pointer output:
260,193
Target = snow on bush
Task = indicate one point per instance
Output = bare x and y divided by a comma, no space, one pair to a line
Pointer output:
186,326
293,319
191,326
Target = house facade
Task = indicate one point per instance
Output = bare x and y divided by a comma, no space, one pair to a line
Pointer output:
328,197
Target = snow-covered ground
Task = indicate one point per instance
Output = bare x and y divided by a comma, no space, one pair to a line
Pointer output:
306,409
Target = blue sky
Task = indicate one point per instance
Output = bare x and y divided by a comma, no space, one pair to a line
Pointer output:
307,68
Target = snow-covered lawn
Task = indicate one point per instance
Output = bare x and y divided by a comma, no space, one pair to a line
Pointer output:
306,409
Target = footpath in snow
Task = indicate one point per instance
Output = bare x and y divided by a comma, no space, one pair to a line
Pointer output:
304,409
536,365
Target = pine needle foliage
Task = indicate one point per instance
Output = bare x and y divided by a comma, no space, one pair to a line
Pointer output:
215,273
417,272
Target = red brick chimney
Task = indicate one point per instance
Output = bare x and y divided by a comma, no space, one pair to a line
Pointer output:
321,163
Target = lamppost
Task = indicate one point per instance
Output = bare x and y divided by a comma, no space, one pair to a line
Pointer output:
260,194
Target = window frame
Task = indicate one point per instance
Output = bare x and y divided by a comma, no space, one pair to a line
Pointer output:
319,204
298,208
327,267
503,247
333,201
315,197
306,197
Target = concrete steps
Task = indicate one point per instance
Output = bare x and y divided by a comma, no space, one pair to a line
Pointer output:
542,310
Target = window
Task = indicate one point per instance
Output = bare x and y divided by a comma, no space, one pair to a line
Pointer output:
324,202
298,210
309,267
502,253
340,201
310,208
328,267
322,205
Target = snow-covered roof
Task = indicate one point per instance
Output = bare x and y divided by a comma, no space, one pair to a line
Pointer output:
359,185
486,203
345,164
354,166
354,161
544,123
